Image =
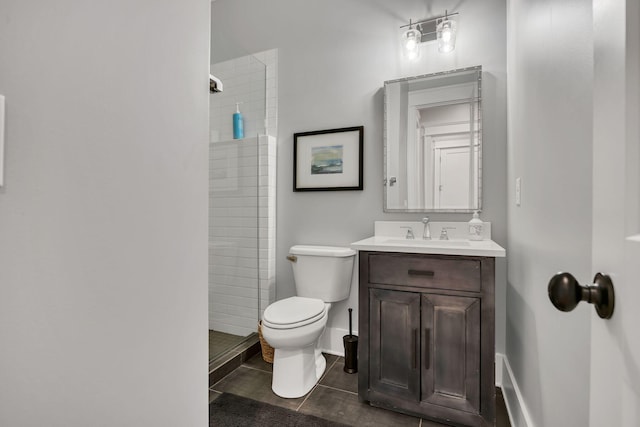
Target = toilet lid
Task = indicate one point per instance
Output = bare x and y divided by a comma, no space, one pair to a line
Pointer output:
293,312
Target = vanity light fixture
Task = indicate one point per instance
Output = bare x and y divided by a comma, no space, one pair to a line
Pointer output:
440,28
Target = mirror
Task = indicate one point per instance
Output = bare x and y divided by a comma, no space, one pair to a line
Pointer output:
433,142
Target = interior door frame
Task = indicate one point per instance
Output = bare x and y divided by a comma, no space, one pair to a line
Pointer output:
615,347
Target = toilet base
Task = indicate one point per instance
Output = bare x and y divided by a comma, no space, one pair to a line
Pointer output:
296,372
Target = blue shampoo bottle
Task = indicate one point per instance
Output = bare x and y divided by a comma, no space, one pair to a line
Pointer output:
238,123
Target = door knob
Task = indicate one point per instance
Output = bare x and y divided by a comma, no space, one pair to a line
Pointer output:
565,293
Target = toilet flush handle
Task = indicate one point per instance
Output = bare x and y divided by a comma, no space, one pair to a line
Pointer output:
292,258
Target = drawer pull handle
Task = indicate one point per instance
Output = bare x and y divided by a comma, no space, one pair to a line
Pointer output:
427,349
421,273
415,349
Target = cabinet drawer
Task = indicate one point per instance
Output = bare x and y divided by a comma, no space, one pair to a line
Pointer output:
425,271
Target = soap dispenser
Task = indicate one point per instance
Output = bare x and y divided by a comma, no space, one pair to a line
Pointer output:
475,227
238,123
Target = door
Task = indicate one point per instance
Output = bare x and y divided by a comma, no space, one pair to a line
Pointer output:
451,352
394,343
455,176
615,343
452,178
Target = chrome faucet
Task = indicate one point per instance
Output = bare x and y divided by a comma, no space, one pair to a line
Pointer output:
409,235
426,232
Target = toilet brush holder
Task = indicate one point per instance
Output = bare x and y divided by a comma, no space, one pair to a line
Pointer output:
350,349
350,353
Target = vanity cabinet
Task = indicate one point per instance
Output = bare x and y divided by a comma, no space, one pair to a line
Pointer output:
426,327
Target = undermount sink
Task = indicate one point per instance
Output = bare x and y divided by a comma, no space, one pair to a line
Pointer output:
430,243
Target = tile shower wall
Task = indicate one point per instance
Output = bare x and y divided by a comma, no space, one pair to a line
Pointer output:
253,81
242,194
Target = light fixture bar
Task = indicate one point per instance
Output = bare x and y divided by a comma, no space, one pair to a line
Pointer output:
430,19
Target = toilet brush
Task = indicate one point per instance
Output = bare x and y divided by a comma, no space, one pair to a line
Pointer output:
350,322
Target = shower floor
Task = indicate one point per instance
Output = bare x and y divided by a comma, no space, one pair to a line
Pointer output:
220,342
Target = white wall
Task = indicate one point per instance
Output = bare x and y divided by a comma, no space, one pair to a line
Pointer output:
334,56
550,70
103,255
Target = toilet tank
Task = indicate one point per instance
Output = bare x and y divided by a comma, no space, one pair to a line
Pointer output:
322,272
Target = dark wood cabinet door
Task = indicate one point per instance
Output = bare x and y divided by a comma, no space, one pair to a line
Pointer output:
394,343
451,351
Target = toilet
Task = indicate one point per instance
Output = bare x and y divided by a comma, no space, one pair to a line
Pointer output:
293,326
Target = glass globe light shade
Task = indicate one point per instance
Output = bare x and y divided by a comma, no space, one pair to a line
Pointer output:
446,33
411,42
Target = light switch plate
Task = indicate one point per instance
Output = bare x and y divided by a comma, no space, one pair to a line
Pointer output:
518,191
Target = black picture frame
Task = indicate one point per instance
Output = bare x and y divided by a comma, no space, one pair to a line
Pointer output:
328,160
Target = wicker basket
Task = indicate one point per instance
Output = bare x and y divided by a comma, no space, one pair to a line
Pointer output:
267,350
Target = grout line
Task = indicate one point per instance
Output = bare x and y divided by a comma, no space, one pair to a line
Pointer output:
334,362
306,397
218,382
326,370
217,394
338,389
224,377
255,369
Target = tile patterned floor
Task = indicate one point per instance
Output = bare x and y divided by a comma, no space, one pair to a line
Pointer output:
334,398
219,342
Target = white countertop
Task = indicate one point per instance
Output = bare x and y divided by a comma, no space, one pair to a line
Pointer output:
487,248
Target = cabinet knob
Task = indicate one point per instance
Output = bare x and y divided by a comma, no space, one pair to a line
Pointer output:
565,293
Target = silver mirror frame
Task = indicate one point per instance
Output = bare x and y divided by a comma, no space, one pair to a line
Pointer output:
385,142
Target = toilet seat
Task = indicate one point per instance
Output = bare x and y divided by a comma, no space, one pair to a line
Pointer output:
293,312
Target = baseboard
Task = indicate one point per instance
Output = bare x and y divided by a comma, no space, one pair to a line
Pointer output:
516,407
499,369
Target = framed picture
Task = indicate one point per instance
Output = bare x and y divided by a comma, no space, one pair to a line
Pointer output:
328,159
